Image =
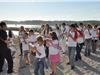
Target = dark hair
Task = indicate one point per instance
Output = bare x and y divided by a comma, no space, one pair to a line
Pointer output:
42,26
73,26
47,25
54,36
76,25
81,23
31,30
50,28
10,33
26,33
89,26
63,23
57,28
22,28
95,26
2,24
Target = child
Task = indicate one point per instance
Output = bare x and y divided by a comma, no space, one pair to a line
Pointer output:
25,48
32,37
11,43
32,41
54,48
40,56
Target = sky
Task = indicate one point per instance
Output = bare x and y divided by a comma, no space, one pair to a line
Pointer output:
18,10
45,0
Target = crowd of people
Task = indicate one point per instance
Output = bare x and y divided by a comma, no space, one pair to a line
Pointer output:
46,45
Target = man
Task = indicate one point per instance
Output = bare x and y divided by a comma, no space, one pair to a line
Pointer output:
72,44
88,40
5,52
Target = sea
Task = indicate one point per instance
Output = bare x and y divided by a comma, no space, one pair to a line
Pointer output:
26,26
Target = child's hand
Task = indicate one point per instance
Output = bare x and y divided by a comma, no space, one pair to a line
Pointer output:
33,49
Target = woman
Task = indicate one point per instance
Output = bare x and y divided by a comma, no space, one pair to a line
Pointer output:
45,34
21,34
80,43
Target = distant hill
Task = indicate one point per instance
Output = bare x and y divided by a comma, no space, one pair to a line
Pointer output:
40,22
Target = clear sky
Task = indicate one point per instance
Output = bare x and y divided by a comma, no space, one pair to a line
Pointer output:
44,0
51,10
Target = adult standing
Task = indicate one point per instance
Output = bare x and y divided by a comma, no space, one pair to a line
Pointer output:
88,40
5,52
21,34
72,44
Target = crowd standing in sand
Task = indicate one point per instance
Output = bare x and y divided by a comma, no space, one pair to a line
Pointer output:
46,45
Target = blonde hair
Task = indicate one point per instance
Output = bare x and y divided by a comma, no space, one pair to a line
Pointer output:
40,39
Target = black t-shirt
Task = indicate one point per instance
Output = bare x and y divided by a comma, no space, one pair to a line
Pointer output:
3,37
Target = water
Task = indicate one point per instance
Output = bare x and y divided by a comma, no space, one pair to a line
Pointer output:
19,25
26,26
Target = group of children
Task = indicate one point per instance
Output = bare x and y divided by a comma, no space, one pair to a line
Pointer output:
46,44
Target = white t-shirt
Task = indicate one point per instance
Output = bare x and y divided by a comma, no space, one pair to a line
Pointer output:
25,46
32,38
58,32
67,29
61,29
11,40
71,42
86,34
94,33
80,40
41,49
53,50
21,34
11,44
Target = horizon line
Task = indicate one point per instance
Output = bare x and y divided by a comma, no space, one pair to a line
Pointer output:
49,20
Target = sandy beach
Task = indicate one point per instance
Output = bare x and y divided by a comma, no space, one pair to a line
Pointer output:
87,66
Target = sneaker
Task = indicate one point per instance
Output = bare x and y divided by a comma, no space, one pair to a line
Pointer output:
68,63
72,67
76,59
10,71
85,55
1,71
53,73
20,55
63,53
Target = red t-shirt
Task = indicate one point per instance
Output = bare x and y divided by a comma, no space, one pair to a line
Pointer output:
98,34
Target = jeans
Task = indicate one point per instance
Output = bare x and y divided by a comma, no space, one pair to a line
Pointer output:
78,50
94,45
21,51
39,66
71,51
5,53
88,43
